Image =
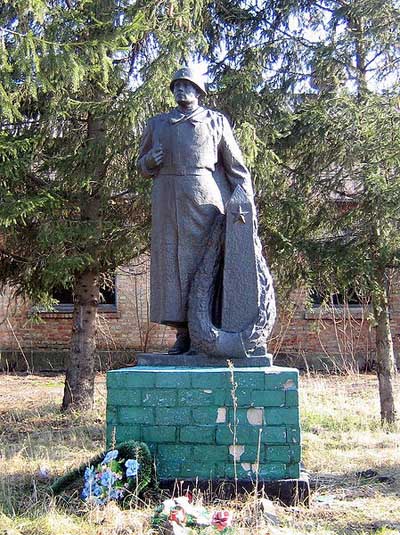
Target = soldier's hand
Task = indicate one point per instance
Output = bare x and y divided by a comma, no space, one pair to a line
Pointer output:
155,157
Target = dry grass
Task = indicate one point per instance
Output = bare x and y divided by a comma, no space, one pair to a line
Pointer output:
341,434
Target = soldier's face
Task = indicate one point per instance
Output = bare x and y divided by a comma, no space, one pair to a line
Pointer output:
185,92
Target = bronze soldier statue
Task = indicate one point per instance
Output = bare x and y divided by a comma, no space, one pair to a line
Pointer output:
196,164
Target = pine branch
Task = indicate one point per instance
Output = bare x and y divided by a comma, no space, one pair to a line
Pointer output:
48,186
12,256
324,8
122,194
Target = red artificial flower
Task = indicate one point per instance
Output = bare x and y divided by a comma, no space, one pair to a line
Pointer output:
177,515
189,496
221,520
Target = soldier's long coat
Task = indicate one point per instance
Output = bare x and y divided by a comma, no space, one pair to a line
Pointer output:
202,164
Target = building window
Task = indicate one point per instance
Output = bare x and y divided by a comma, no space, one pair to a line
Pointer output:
348,297
108,299
328,306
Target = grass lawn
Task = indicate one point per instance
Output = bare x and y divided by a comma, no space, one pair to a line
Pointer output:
342,438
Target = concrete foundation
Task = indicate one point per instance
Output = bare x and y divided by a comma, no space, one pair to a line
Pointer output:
210,423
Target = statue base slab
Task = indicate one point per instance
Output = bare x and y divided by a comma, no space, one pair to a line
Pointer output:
289,492
209,424
200,360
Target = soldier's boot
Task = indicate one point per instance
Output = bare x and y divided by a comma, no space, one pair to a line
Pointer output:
182,344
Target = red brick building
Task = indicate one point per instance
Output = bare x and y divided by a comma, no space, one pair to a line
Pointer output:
339,335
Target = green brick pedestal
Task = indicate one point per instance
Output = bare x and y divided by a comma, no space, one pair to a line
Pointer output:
209,423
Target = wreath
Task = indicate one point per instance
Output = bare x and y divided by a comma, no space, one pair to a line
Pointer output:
115,474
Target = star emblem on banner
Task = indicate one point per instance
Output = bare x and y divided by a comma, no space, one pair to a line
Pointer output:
240,215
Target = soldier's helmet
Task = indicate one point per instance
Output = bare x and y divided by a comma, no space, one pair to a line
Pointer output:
185,73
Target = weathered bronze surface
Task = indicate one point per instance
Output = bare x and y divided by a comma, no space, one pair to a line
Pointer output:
199,174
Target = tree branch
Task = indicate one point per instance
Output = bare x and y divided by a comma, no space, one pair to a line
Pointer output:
17,258
324,8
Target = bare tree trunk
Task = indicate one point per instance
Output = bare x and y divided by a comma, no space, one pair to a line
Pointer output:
386,370
357,27
79,381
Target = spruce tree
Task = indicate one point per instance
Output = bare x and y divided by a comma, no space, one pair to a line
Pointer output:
313,88
77,82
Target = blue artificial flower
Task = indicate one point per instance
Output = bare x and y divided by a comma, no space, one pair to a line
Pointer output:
132,467
89,474
107,478
112,495
90,489
116,494
96,490
110,456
